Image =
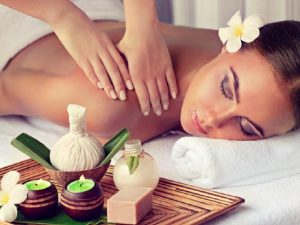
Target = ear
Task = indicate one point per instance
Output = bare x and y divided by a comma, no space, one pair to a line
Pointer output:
224,50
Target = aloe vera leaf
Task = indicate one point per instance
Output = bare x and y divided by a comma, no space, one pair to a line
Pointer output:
35,145
112,142
33,149
135,164
121,138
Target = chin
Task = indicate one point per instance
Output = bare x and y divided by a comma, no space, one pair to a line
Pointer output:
188,127
184,122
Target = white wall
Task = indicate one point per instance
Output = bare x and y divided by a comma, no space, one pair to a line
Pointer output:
216,13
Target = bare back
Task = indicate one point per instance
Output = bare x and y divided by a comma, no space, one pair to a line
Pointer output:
45,77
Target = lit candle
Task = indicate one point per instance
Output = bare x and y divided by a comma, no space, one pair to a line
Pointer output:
82,199
42,200
35,185
81,185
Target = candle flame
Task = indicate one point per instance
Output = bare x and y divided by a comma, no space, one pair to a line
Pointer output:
39,181
82,178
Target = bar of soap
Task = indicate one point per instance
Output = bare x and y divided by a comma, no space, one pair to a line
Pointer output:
130,205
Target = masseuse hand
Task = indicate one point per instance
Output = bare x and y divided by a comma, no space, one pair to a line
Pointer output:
94,52
150,67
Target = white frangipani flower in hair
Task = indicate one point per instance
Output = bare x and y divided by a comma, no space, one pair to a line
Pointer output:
238,31
11,193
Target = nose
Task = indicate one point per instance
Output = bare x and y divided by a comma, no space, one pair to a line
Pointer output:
215,118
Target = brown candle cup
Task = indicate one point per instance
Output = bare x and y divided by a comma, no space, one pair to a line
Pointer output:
64,177
85,205
40,204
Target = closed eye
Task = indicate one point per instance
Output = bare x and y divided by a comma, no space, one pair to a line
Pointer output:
248,128
225,88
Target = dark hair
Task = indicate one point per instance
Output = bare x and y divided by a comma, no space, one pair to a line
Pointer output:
279,44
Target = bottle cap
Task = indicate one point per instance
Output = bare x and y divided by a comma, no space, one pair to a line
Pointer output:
133,146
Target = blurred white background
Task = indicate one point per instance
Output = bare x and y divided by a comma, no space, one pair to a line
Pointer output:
216,13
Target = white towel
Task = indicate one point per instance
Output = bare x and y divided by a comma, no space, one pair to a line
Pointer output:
215,163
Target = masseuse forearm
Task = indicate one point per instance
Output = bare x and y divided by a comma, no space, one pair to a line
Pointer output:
49,11
140,14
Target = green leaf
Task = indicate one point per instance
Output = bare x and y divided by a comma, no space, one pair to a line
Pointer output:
61,218
133,163
114,145
34,149
112,142
130,163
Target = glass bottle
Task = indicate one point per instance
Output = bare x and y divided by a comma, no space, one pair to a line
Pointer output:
135,168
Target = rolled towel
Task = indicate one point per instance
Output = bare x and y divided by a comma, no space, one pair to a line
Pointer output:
214,163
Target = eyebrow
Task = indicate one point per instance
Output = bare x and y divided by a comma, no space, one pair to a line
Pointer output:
236,85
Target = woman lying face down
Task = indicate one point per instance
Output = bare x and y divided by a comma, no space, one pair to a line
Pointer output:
250,94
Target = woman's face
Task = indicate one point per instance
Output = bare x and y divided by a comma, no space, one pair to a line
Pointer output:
236,96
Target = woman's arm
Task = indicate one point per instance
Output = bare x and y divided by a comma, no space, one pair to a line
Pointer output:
148,58
92,50
48,11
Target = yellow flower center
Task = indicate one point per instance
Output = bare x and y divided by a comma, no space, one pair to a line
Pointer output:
5,199
238,31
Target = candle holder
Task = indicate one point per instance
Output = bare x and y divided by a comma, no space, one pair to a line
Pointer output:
85,204
42,200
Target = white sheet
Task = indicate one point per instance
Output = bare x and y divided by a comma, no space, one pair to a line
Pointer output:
275,202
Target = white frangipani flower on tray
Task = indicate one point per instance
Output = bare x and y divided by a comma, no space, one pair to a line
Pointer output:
238,31
11,193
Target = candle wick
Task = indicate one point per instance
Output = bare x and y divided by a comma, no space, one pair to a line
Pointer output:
80,184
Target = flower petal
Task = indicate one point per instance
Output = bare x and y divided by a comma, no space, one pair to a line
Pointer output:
9,180
18,194
253,21
225,33
233,44
8,213
250,34
235,20
3,197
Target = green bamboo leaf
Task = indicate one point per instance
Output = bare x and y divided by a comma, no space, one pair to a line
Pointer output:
32,151
114,146
35,145
61,218
112,142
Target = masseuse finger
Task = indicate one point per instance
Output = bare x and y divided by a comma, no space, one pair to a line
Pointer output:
164,92
143,96
114,74
103,78
154,97
89,72
171,79
116,55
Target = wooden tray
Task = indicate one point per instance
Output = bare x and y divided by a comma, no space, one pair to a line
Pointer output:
173,202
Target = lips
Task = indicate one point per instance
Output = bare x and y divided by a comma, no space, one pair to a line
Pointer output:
196,123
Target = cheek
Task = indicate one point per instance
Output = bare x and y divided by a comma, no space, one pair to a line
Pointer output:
230,131
208,93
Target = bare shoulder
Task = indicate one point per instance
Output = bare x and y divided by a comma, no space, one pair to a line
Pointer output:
177,35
